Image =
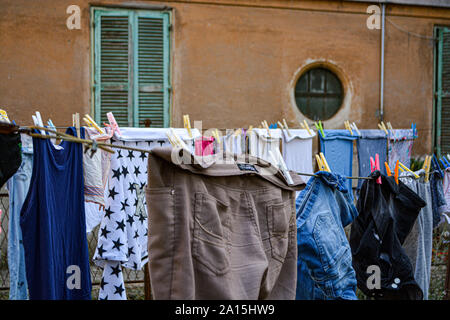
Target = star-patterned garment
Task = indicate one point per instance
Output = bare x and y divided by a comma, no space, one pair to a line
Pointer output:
112,285
122,236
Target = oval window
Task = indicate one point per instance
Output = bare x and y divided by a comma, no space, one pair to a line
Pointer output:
318,94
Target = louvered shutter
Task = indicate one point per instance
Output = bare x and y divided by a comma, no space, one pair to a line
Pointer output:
112,66
152,71
443,91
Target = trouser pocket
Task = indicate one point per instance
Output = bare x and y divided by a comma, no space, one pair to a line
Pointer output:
210,247
280,217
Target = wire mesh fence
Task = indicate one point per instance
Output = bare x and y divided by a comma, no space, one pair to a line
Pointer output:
134,279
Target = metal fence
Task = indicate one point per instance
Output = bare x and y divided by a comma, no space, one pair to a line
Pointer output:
134,280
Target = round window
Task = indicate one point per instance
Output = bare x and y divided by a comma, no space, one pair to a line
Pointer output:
318,94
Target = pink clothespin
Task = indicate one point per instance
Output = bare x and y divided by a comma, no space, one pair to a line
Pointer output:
375,165
113,122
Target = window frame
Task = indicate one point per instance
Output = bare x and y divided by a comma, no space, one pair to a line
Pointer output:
324,94
96,12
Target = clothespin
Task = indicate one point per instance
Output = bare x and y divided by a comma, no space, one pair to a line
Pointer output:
187,124
355,128
383,127
77,124
347,126
407,169
324,162
217,136
286,127
113,123
281,126
40,122
319,128
4,116
237,132
319,163
87,118
437,166
427,168
388,170
396,171
375,165
307,127
265,125
389,126
414,129
250,129
278,160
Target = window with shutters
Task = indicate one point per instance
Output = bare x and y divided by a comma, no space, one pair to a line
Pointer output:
442,91
131,66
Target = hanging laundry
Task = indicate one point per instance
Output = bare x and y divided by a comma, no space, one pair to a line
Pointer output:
439,204
123,232
112,286
18,186
297,151
204,146
387,213
261,142
325,269
337,146
54,225
369,143
220,231
399,146
11,156
419,243
234,144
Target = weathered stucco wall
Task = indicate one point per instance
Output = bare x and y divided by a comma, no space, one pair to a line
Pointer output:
234,63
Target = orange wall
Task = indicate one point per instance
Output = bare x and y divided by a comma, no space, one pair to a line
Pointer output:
234,63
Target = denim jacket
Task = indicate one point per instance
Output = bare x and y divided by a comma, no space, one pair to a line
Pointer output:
324,265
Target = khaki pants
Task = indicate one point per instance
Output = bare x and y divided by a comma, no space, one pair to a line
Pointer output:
215,234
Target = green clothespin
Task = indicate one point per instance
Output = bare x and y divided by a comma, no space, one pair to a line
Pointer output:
321,128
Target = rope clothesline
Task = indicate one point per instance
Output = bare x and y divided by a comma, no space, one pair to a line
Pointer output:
106,146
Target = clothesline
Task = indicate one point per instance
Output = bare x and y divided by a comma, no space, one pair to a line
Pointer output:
104,146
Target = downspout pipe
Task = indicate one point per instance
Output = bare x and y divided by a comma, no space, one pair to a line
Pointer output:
383,7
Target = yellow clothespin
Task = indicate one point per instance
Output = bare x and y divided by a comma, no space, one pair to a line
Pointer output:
237,132
250,129
187,124
407,169
93,123
286,127
347,126
319,163
307,127
427,168
324,162
280,125
384,127
381,128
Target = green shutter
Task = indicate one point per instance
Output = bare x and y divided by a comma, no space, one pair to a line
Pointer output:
443,92
131,72
112,61
152,72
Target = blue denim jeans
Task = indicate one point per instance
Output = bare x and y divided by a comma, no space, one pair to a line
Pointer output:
324,265
18,187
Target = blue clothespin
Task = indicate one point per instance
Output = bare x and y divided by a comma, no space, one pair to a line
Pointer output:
414,129
437,166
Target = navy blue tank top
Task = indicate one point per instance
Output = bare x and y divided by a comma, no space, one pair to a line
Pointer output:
53,223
